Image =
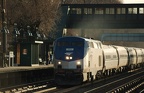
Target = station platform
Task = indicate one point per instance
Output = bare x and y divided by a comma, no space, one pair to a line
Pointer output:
24,68
18,75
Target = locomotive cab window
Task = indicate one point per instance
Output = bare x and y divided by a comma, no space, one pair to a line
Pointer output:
63,44
77,44
70,44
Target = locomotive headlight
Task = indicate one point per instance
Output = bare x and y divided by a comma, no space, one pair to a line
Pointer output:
59,63
78,63
67,58
70,57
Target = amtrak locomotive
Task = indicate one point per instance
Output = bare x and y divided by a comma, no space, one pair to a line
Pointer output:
78,59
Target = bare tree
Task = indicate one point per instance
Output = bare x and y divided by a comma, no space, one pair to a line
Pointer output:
43,14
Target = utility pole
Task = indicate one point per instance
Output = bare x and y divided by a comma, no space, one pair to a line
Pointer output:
4,31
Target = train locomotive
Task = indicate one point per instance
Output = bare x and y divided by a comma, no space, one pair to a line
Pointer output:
78,59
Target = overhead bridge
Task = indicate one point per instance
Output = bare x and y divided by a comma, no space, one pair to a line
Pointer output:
106,22
104,16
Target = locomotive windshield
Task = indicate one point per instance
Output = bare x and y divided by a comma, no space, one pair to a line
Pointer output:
69,47
70,44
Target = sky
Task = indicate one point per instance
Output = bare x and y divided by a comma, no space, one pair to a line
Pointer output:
133,1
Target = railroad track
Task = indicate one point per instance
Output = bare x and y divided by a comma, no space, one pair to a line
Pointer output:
126,82
28,88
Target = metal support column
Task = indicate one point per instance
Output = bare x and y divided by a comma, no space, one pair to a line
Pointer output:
4,31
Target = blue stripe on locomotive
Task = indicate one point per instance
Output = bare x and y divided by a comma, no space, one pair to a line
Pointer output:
69,46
